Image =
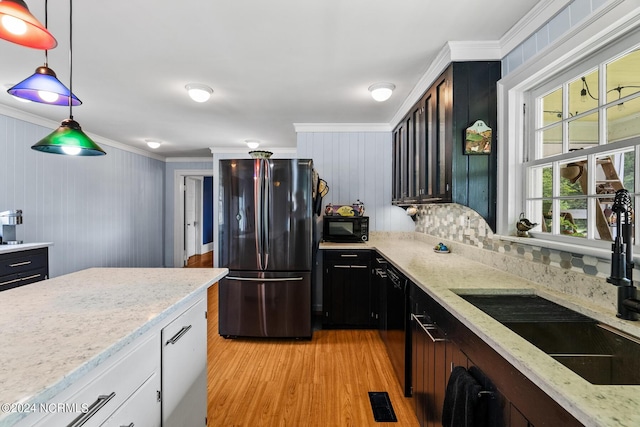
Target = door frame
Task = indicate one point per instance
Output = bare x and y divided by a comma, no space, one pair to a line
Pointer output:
178,210
197,182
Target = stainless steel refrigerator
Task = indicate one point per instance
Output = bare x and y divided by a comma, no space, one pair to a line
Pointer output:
265,240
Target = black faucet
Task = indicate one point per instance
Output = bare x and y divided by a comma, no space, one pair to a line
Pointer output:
622,258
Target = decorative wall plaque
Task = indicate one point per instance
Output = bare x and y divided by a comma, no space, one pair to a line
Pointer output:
478,139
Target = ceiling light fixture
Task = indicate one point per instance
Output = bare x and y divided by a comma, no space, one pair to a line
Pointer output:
69,138
252,143
152,143
381,91
199,92
43,86
18,25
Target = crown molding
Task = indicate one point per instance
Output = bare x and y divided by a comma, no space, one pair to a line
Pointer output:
480,50
188,159
50,124
342,127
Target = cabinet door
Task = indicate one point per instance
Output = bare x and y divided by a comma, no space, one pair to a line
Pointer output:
441,161
347,289
398,138
418,365
184,369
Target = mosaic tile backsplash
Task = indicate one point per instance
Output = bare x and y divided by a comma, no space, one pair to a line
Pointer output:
459,223
567,272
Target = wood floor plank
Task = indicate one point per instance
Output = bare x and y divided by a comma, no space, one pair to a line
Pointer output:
320,382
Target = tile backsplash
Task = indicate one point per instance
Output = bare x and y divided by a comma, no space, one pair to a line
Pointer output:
580,275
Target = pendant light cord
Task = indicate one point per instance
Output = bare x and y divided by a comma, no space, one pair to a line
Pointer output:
46,26
70,57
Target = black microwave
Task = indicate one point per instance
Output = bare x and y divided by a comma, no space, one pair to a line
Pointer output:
345,229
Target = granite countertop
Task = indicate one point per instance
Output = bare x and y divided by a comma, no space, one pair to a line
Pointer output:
443,276
56,330
5,249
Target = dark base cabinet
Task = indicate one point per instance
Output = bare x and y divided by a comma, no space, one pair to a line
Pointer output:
348,297
23,267
441,342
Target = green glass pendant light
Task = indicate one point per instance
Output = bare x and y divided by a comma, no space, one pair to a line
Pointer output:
69,139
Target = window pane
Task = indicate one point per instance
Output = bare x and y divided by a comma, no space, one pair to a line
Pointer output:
573,217
622,122
583,132
573,178
583,93
552,141
552,107
622,76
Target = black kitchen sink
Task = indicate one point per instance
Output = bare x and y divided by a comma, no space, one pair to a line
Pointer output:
598,353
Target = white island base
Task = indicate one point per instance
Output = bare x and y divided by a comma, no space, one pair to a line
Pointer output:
107,347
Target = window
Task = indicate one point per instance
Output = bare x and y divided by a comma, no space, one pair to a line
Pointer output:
583,146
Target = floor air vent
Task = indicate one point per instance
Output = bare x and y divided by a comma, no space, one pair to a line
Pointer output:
381,406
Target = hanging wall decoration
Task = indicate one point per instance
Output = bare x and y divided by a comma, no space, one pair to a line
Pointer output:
478,138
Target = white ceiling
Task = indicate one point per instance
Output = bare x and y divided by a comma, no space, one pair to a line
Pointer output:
270,64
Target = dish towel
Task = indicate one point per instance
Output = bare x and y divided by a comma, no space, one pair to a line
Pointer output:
463,406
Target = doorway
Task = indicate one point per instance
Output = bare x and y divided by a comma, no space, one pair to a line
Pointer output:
193,218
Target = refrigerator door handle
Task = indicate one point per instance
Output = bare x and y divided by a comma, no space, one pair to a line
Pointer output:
258,279
258,202
266,199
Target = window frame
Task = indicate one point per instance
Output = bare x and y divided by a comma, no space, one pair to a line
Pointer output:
534,158
577,52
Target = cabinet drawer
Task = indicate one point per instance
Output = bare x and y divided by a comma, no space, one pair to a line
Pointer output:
348,256
110,389
141,409
19,262
23,278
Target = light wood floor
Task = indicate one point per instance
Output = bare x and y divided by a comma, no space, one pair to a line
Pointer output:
201,261
321,382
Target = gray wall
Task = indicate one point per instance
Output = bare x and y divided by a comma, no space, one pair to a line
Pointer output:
98,211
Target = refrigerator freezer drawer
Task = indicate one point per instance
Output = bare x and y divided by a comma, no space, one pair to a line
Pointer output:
272,305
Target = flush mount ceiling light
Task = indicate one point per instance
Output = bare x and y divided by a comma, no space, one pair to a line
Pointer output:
43,86
252,143
199,92
152,143
19,26
381,91
69,139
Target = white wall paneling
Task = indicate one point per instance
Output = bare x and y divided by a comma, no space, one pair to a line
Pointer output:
98,211
357,165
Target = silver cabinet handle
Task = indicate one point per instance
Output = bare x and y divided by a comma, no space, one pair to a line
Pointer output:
359,266
10,281
341,266
428,328
258,279
348,255
20,279
100,402
18,264
174,339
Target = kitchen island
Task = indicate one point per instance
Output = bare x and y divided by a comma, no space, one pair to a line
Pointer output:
60,331
445,276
